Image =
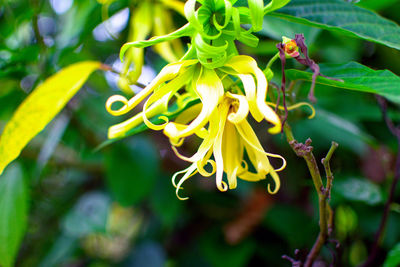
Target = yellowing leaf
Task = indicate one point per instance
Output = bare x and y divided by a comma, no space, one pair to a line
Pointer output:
40,107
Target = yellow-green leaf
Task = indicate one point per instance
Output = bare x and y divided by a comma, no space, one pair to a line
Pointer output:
14,199
40,107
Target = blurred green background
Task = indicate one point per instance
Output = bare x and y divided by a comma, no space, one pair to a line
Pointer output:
116,206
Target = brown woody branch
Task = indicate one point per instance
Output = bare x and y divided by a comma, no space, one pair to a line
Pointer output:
381,230
325,211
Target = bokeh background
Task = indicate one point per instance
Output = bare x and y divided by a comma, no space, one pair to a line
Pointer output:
116,206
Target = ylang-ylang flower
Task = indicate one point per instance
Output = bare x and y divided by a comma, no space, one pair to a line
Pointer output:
219,117
209,93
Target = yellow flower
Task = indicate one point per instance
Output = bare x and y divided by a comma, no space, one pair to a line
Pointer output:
227,138
150,18
201,83
219,118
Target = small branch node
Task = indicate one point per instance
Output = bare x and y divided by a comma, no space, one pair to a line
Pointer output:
295,263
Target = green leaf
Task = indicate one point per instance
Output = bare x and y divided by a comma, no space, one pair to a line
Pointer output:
40,107
376,5
358,189
393,258
343,17
275,28
14,211
356,77
131,179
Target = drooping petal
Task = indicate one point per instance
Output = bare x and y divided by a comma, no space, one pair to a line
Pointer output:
277,182
189,172
242,108
167,73
210,90
120,130
295,106
251,94
251,177
206,145
140,27
204,162
269,113
249,85
217,147
232,153
259,160
168,90
247,65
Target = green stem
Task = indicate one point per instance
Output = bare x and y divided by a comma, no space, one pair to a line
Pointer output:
271,61
35,25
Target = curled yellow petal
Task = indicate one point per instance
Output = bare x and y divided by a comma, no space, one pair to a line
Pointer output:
242,111
167,73
117,99
277,181
204,162
189,172
251,139
247,68
210,90
167,90
250,89
119,130
139,28
257,155
297,105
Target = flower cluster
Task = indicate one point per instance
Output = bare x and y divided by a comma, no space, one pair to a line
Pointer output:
209,93
148,17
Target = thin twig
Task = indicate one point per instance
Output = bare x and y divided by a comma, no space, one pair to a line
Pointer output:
382,226
325,211
328,172
35,25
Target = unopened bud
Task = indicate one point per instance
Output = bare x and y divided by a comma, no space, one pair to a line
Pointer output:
290,47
